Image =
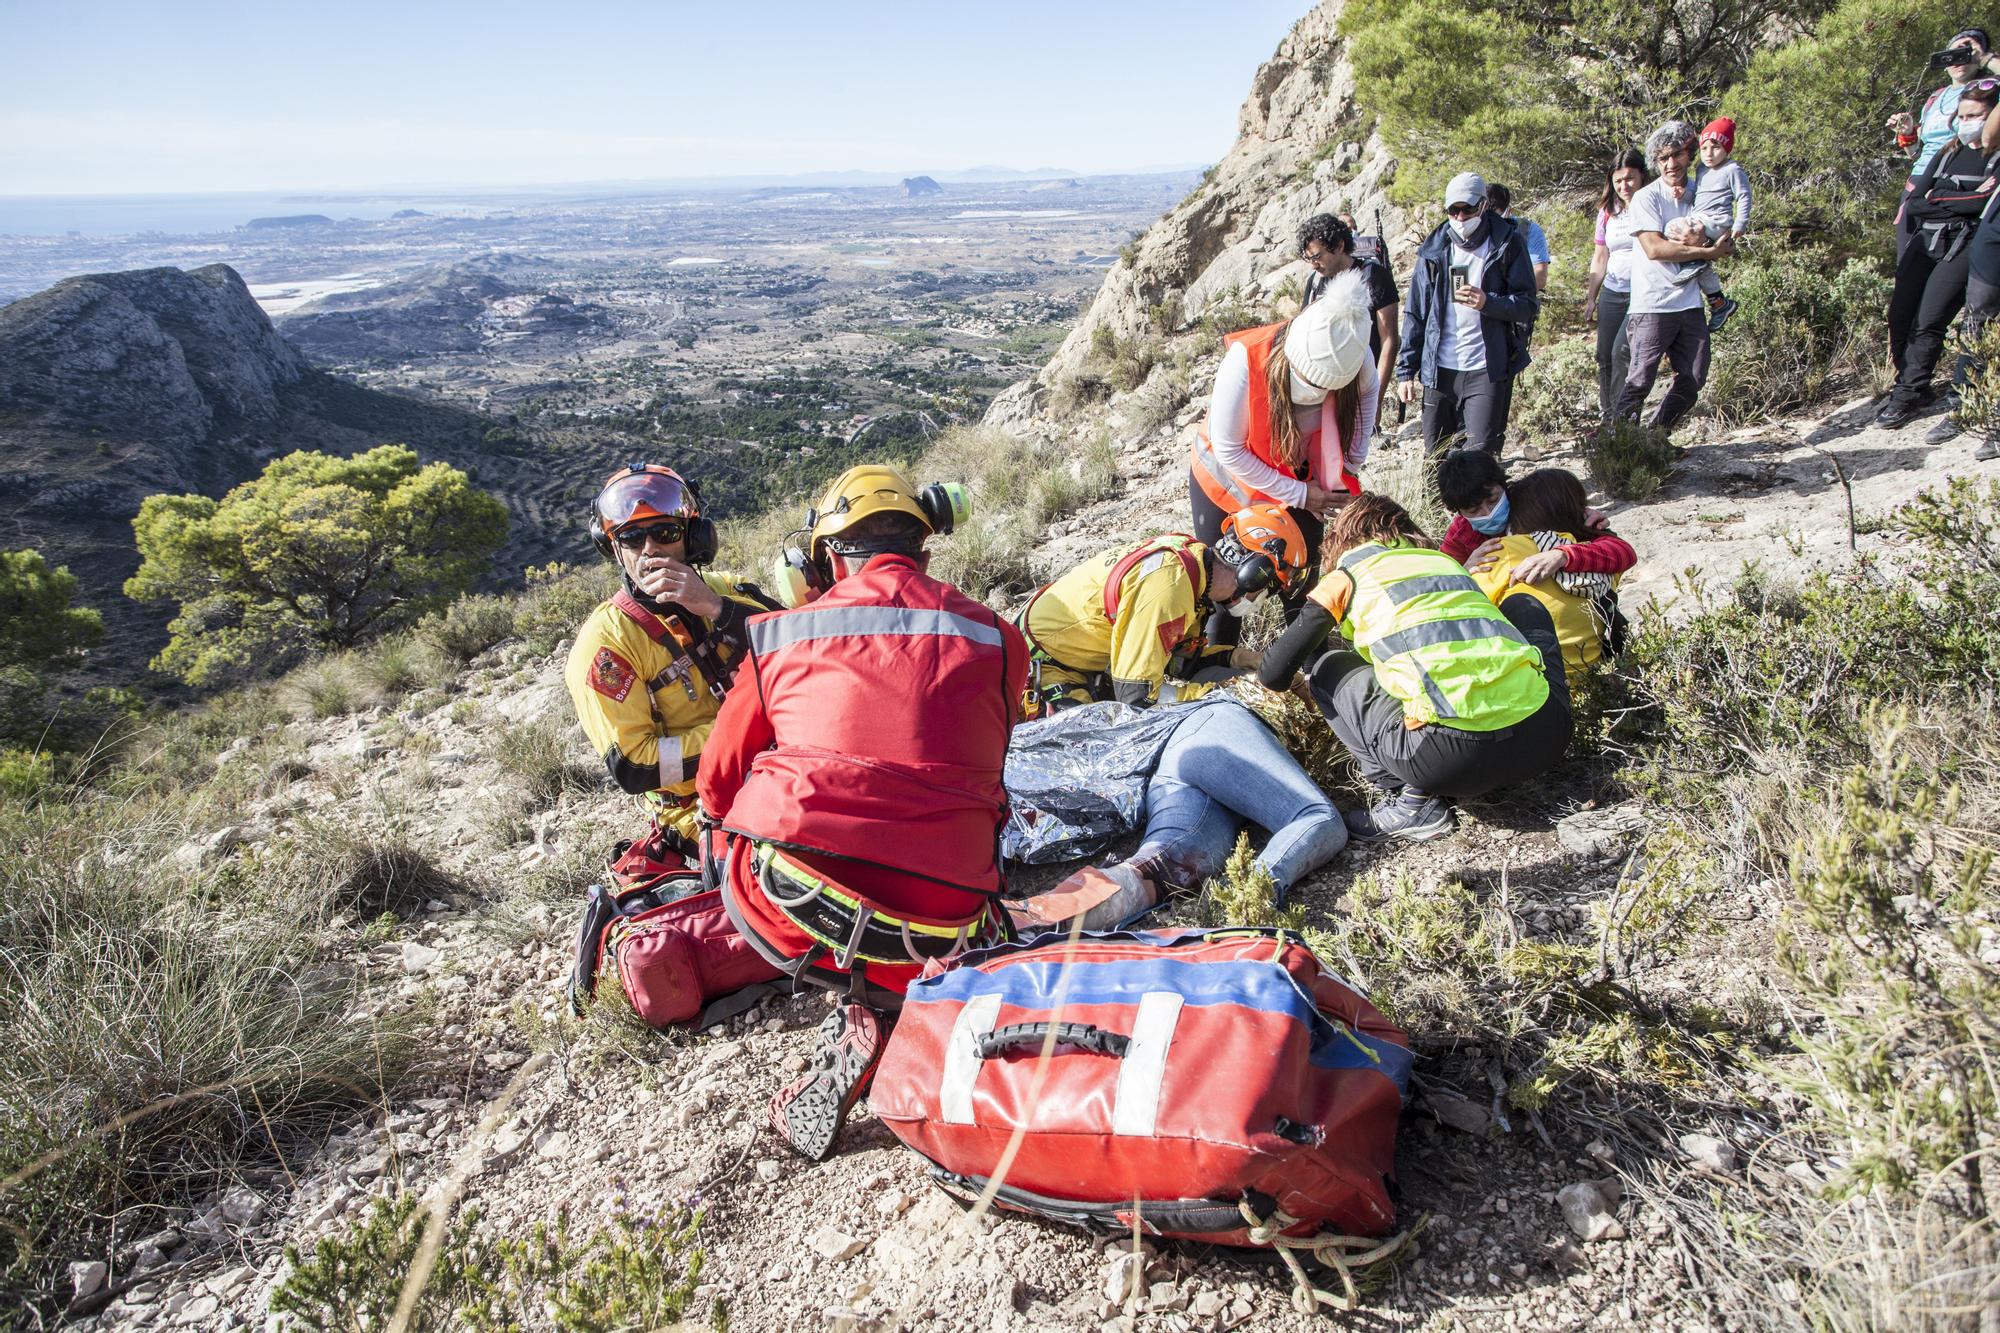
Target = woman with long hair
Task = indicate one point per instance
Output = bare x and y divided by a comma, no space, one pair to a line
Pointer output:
1548,512
1610,290
1442,695
1288,423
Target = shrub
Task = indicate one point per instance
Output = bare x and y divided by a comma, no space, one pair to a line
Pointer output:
327,687
1556,400
25,775
393,667
560,598
1629,459
1804,323
39,629
361,871
149,1046
542,755
639,1272
469,626
317,551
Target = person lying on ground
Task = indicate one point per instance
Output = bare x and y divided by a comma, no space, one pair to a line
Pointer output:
1474,488
854,777
1443,694
1547,512
650,665
1288,423
1219,769
1128,624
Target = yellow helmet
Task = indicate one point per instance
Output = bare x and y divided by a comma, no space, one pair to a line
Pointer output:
872,488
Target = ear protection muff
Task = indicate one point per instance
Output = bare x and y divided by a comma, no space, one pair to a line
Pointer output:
1255,575
945,505
797,577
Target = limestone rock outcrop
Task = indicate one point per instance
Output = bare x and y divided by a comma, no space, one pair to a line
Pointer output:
1302,147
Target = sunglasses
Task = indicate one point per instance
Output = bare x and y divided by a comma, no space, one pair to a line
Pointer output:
1461,210
1980,86
666,534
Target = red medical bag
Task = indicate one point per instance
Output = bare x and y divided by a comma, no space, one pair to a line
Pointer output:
673,955
1193,1072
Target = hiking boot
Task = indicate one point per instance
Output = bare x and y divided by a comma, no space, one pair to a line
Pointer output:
1988,450
1944,432
1719,313
1897,413
809,1111
1410,815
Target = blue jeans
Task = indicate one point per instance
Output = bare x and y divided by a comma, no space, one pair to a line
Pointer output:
1220,769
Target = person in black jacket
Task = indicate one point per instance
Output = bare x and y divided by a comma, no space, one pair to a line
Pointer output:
1939,221
1472,304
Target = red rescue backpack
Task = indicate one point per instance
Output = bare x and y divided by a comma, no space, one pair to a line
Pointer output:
674,951
1196,1072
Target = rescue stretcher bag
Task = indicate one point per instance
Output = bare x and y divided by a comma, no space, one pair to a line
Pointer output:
676,957
1194,1071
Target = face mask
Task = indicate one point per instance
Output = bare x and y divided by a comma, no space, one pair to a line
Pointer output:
1968,130
1493,522
1464,227
1304,394
1243,606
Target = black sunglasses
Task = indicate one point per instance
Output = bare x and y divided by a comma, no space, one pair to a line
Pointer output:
664,533
1461,210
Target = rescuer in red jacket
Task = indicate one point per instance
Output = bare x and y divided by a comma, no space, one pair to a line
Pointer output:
855,776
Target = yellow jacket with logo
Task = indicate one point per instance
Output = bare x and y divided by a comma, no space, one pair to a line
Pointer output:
1160,609
646,715
1578,626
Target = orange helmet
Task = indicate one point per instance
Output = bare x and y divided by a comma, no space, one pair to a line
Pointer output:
648,492
1263,544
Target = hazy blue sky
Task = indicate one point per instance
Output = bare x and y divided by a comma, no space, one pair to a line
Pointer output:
189,95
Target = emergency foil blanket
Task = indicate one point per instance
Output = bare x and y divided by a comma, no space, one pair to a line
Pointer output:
1076,781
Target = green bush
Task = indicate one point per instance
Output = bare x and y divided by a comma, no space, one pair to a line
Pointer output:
162,1026
317,551
560,598
39,629
1805,322
542,755
1556,401
1629,459
639,1272
469,626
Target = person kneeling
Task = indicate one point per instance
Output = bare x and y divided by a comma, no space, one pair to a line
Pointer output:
1442,695
856,774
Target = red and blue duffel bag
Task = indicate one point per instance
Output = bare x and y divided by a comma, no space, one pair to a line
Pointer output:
1212,1076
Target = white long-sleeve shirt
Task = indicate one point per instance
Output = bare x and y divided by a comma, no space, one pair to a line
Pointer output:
1229,424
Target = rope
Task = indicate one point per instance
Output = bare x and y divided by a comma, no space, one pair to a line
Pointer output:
1332,1251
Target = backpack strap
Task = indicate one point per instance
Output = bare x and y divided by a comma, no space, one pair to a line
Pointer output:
1190,562
692,646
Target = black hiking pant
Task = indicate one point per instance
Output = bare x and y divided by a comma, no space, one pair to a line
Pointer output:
1681,336
1469,403
1439,760
1927,296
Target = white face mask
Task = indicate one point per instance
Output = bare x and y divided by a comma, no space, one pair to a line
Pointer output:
1243,606
1305,394
1463,227
1968,130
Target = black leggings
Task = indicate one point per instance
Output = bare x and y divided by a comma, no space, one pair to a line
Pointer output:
1926,296
1222,627
1439,760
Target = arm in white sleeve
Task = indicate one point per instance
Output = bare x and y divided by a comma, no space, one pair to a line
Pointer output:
1364,420
1229,423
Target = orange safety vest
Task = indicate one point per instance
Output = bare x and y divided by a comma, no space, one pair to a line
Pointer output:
1224,491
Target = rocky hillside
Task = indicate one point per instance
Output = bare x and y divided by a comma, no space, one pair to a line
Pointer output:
116,386
1302,147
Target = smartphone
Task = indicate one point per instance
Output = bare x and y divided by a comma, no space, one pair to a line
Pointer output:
1459,274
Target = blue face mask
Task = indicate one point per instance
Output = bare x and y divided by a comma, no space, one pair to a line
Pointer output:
1493,522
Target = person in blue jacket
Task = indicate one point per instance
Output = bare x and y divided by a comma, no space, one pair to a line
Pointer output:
1472,305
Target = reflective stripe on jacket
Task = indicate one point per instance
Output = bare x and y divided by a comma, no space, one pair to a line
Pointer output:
867,738
1437,642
